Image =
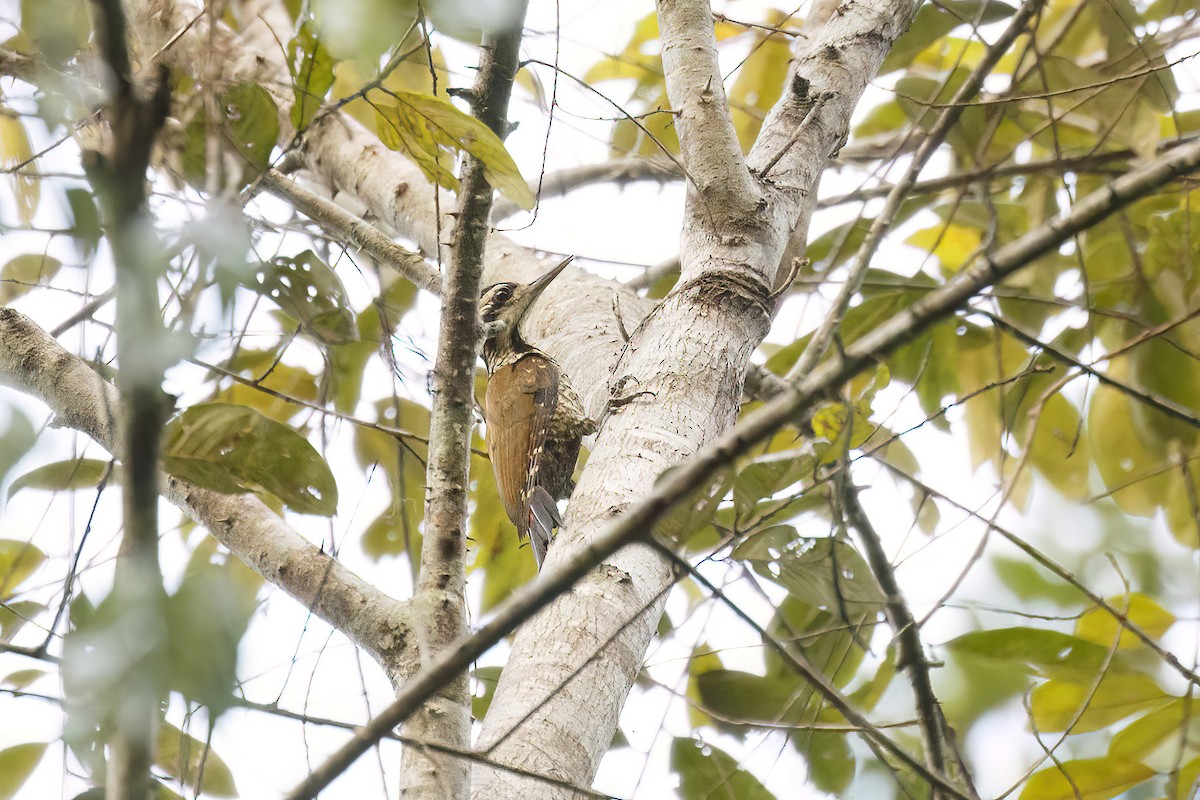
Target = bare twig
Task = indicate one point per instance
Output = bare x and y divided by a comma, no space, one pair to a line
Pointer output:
935,732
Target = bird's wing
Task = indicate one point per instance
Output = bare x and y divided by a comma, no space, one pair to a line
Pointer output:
520,402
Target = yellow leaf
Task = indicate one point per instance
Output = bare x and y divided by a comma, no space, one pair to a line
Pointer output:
1062,705
426,128
182,756
1085,779
1098,626
1184,782
953,244
15,149
22,273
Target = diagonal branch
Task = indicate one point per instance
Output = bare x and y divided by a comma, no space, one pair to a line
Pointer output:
33,363
1165,405
935,732
351,230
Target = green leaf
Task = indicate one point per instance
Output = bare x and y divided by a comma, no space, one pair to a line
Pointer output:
867,696
740,697
22,678
831,762
249,123
402,461
425,127
825,636
934,21
709,773
15,149
78,473
1031,581
308,289
18,560
689,523
16,765
85,217
1086,779
213,604
312,74
236,449
14,615
1036,651
1057,705
182,756
253,122
821,572
1099,626
766,477
487,678
25,272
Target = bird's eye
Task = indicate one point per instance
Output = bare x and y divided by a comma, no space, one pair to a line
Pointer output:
502,294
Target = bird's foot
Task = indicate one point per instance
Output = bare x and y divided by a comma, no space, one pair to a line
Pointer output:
618,398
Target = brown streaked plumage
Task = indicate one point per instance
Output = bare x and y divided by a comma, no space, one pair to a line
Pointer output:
534,419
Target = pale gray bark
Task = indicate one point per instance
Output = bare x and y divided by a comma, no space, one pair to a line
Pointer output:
556,708
33,363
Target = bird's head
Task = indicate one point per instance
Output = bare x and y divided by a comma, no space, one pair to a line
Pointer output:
508,303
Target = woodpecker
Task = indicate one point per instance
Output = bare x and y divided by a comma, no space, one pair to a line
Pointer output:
534,418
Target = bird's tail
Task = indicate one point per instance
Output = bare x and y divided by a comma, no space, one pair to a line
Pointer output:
543,519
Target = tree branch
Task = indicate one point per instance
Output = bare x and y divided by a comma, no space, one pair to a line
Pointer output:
119,181
695,86
935,732
442,581
33,363
349,229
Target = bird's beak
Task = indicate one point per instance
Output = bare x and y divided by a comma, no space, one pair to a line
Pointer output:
540,284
